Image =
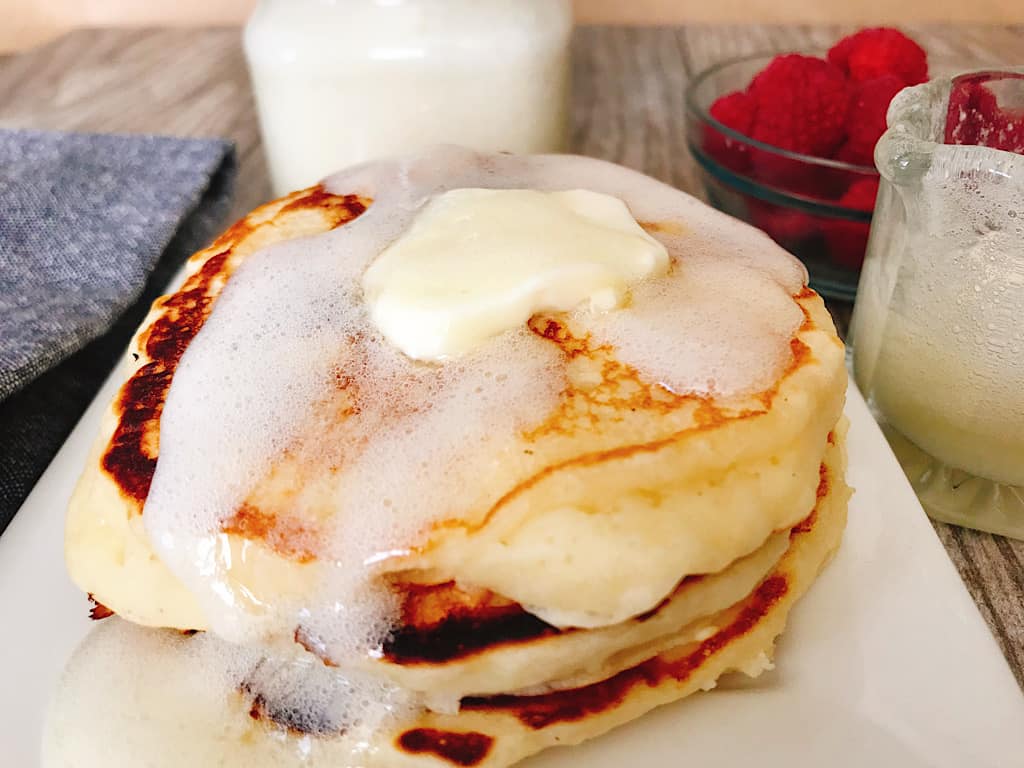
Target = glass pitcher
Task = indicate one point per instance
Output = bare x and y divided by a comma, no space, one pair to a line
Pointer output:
938,329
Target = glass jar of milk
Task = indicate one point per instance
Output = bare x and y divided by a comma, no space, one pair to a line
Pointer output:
938,329
338,82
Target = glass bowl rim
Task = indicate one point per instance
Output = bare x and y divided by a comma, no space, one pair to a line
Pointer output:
705,115
783,198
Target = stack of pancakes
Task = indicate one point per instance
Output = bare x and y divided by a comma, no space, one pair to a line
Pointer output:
630,547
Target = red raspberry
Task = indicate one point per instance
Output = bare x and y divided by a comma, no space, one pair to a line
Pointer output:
975,116
879,51
788,174
801,105
1011,133
865,122
961,128
854,154
735,110
861,195
786,226
847,240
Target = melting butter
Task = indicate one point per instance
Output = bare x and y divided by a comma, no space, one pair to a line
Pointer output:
478,262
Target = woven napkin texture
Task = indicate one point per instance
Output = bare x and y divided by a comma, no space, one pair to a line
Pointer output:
92,227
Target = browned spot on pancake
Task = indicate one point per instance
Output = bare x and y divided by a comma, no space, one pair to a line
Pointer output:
314,645
130,457
258,710
231,235
667,227
299,721
99,611
288,718
800,355
443,622
803,294
287,536
822,491
804,525
555,330
458,747
428,605
621,388
343,207
571,705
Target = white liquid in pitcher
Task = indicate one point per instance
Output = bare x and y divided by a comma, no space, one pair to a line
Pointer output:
939,340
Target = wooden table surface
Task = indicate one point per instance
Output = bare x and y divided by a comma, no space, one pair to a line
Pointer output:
628,94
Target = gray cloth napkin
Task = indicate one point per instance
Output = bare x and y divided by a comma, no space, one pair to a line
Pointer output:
91,229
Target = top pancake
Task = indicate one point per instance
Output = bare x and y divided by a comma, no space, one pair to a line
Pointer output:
588,511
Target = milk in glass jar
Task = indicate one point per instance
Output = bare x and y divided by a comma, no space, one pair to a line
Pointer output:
338,82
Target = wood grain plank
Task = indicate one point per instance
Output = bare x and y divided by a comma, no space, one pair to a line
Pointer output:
964,47
669,12
628,94
992,567
142,81
29,23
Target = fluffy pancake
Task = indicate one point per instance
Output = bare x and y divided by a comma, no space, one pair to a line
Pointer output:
131,691
617,488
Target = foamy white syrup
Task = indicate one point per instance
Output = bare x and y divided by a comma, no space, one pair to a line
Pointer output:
148,698
292,316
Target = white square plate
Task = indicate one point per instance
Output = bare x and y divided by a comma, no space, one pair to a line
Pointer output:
886,662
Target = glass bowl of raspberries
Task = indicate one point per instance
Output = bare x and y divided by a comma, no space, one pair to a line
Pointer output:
786,143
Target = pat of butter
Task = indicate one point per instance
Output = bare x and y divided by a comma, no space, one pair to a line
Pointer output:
478,262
